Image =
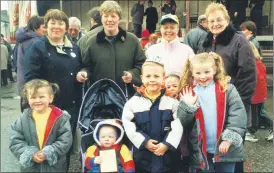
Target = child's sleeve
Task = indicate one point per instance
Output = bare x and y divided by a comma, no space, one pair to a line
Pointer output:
19,146
137,137
126,159
90,156
235,124
62,144
186,113
173,138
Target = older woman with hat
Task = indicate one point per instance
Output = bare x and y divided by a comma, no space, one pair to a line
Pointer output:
113,53
170,50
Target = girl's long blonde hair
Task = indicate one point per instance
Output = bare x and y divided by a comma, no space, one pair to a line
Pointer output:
255,51
220,76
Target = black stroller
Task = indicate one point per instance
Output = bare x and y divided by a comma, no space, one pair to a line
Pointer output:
103,100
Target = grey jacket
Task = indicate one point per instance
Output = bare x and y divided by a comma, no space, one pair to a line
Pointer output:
195,38
232,126
137,13
24,141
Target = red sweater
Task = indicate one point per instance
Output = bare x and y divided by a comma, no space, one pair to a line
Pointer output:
260,93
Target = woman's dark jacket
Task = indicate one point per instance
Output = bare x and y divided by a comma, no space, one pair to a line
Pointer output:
238,58
45,61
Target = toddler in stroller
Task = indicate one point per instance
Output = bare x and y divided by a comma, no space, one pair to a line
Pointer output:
104,100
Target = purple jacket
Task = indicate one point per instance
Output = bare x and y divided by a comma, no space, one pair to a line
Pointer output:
24,39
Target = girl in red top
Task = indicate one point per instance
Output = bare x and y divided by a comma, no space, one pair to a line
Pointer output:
258,99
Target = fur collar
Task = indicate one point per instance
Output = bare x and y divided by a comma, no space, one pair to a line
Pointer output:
121,35
223,38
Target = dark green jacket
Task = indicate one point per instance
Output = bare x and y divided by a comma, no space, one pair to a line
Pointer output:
109,59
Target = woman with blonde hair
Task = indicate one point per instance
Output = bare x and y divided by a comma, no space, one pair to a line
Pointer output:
221,117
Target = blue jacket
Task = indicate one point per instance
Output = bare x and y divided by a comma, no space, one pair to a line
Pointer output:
153,120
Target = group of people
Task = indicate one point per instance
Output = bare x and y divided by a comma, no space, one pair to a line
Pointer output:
189,106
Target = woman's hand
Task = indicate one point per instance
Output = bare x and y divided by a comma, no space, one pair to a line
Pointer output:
127,77
187,96
82,76
224,147
36,158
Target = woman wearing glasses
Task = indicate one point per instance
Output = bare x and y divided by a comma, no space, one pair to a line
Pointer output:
236,52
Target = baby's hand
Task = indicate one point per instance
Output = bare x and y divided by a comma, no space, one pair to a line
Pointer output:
162,148
151,145
224,147
98,160
187,96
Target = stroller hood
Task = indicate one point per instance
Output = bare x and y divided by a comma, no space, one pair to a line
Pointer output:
109,122
103,100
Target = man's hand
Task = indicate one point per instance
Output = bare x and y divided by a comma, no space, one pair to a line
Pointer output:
82,76
162,148
98,160
224,147
151,145
127,77
235,14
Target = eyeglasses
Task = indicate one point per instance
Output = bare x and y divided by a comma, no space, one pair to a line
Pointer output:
219,20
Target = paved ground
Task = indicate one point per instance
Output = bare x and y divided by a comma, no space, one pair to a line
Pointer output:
259,155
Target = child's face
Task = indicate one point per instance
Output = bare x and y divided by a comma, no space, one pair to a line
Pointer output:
40,100
153,78
204,73
172,84
107,136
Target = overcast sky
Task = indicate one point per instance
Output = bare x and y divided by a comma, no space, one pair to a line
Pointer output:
4,5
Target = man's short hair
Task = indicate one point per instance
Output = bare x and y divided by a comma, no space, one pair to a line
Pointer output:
250,26
94,14
74,21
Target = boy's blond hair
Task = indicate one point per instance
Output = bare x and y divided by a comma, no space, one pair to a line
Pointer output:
255,51
152,63
187,79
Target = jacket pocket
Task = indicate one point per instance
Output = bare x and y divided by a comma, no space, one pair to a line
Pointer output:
142,120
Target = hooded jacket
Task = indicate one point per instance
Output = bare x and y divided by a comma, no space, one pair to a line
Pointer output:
24,39
238,58
57,141
124,158
153,120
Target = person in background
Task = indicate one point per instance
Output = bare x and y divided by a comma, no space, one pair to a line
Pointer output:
25,36
145,38
238,58
74,33
4,63
113,45
249,29
96,26
9,66
169,7
237,11
256,13
41,137
195,37
258,100
152,17
153,38
57,59
137,14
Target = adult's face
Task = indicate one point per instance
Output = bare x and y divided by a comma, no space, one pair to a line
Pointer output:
111,22
247,33
142,2
56,29
41,31
169,31
204,23
217,22
73,31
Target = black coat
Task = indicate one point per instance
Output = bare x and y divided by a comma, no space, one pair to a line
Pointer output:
238,58
43,61
152,15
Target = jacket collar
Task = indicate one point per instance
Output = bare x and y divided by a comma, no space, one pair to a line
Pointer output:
201,27
121,35
223,38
